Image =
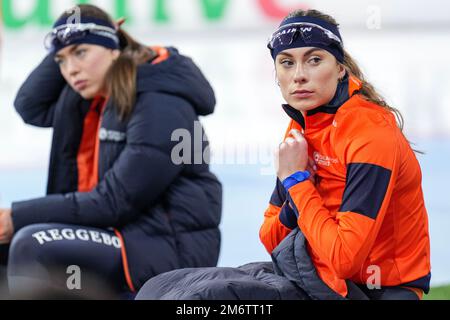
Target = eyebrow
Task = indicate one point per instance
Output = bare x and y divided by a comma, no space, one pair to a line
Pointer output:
307,53
75,47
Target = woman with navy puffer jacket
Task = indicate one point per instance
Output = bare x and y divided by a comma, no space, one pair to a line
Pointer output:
124,202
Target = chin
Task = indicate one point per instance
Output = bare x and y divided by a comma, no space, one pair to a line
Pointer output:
304,106
87,94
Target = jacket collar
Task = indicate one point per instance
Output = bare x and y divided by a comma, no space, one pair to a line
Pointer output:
323,116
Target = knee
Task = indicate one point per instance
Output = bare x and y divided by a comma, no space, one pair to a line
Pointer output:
24,249
28,271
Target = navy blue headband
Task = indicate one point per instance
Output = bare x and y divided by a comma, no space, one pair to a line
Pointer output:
325,36
86,31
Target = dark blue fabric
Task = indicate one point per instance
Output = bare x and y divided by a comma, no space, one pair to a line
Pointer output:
334,49
278,199
389,293
292,261
160,208
294,207
278,195
290,276
287,216
253,281
43,253
329,26
82,19
421,283
365,188
89,38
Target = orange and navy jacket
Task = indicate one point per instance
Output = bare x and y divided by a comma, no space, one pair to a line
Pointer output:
365,213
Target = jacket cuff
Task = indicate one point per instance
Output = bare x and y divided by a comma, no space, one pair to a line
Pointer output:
288,216
40,210
298,192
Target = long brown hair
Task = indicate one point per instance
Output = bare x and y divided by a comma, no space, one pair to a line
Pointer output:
121,77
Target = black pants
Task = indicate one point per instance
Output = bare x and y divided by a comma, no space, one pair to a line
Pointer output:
56,260
389,293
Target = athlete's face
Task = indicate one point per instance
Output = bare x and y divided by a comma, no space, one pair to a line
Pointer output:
308,77
85,67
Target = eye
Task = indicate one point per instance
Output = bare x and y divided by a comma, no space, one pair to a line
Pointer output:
314,60
59,61
80,52
286,63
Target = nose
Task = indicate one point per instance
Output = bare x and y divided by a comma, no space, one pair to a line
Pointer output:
72,67
300,75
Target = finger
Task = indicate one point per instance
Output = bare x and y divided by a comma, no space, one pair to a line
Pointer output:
311,171
312,174
289,140
296,134
276,155
281,146
312,163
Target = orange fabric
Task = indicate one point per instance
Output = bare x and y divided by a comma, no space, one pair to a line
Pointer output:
273,231
163,54
126,268
344,245
87,157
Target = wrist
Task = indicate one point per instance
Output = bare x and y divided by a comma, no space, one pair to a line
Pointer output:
295,178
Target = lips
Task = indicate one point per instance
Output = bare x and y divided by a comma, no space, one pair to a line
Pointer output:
80,85
302,94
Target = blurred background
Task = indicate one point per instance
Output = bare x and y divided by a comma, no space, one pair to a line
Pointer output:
403,47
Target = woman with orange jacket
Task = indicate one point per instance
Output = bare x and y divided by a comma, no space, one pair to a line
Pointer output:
347,176
347,219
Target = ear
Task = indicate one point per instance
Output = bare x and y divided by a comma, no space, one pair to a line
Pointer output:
342,70
277,81
116,54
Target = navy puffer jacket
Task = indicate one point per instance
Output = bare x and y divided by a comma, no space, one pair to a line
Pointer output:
167,214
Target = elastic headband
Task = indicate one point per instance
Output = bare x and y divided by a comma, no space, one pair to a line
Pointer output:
86,31
301,32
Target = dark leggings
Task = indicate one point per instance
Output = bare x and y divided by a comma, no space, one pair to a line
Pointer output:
65,259
389,293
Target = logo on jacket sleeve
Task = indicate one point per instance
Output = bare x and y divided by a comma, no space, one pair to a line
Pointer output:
111,135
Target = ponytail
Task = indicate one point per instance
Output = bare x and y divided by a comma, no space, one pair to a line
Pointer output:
121,77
